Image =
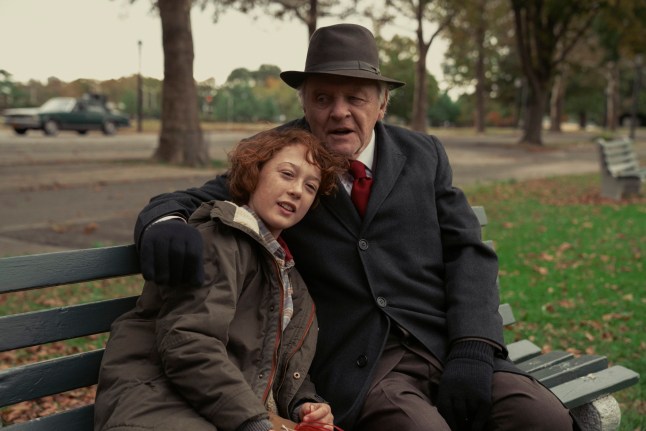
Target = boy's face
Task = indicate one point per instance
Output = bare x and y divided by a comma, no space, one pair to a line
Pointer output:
287,186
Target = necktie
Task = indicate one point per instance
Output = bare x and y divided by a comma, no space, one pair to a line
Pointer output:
360,186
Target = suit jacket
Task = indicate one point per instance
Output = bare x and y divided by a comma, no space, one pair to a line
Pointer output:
416,260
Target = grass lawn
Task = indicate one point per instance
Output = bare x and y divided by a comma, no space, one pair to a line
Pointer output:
571,265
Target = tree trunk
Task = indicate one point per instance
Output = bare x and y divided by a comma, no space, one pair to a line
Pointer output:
533,127
312,18
612,96
181,141
556,103
583,120
480,70
420,94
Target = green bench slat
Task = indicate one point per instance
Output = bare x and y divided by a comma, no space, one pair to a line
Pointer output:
31,381
507,314
590,387
481,214
543,361
570,369
641,174
522,350
78,419
39,327
620,159
65,267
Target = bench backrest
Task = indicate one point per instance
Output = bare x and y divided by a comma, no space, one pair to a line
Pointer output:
39,379
54,376
618,157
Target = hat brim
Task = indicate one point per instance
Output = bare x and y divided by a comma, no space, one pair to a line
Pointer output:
295,78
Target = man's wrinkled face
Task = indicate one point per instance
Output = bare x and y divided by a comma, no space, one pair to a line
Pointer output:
342,111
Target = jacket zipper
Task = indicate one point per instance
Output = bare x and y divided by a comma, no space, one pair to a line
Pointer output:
274,358
301,341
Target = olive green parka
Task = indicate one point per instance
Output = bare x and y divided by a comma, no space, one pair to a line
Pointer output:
210,357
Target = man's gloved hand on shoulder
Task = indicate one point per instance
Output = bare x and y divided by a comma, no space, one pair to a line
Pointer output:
170,253
464,396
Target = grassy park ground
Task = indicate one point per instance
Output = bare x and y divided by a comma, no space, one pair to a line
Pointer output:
572,265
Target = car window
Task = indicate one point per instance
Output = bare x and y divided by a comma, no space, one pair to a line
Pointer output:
65,104
95,108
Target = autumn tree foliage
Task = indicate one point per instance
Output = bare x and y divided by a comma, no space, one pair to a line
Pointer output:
478,53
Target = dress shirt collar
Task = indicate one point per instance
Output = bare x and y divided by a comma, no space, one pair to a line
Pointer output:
367,156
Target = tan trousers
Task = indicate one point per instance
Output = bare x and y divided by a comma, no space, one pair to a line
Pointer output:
402,397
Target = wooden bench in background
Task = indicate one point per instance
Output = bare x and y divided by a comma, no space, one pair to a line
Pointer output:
621,174
585,383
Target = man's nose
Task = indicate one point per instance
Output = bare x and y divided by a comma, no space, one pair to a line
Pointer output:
340,109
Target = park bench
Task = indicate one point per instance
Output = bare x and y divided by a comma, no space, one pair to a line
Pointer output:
585,383
621,174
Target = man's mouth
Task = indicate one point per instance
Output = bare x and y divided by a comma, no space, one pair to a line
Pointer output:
341,132
287,206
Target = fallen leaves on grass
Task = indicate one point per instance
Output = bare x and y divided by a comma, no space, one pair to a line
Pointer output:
46,406
541,270
560,191
616,316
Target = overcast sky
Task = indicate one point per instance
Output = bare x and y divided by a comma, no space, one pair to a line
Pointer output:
97,39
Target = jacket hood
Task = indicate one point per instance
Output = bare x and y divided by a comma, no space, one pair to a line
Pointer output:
230,214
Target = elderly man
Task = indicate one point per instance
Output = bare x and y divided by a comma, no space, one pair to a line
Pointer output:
410,335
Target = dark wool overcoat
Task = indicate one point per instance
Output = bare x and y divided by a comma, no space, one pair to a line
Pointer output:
416,260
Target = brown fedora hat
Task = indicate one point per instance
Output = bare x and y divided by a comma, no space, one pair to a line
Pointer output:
342,50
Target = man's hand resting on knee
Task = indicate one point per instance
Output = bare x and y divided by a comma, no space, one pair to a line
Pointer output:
464,396
170,253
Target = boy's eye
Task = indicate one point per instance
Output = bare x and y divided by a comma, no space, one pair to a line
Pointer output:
313,187
287,173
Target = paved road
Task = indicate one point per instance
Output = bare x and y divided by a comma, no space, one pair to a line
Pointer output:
75,191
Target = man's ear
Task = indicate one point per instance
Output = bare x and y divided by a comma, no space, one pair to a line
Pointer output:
384,105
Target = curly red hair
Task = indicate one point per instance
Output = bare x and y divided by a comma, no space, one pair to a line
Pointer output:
250,155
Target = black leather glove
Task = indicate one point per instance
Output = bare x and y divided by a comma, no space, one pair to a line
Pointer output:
464,395
170,253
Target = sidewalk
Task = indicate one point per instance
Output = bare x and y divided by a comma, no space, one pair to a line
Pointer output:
68,204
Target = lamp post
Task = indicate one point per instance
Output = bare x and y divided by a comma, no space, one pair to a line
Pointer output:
139,91
636,91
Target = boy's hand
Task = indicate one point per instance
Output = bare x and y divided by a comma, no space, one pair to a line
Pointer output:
317,412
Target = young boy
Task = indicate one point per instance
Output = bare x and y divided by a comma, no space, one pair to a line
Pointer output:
226,354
